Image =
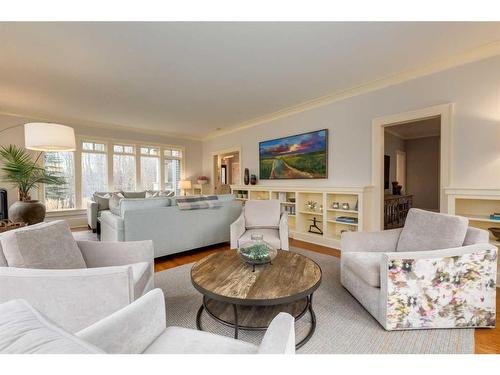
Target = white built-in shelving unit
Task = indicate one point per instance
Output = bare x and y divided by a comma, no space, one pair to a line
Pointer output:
295,199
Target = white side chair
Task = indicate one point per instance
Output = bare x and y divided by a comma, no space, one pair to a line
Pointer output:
137,328
75,283
261,217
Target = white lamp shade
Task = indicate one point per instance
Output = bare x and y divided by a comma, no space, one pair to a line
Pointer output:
185,184
42,136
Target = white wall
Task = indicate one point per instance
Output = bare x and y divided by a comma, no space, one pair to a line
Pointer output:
474,88
193,162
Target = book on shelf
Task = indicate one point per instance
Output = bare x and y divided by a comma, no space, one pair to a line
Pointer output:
347,219
495,216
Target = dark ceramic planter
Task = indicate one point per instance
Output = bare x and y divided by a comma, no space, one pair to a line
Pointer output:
30,212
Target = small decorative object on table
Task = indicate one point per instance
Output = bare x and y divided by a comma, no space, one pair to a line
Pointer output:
202,180
6,225
246,178
257,251
336,205
253,179
311,205
345,206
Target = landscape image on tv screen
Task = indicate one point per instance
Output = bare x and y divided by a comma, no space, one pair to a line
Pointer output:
301,156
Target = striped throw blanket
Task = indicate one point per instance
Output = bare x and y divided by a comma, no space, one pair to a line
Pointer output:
198,202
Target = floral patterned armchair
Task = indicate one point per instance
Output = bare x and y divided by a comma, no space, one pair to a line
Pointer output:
434,273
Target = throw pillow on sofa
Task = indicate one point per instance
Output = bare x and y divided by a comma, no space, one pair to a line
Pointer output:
102,201
42,246
134,194
114,203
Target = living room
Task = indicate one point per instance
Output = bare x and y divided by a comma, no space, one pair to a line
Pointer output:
249,187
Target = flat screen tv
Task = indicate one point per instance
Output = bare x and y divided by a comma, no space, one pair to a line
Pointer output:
301,156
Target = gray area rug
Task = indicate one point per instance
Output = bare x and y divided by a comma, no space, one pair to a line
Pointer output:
343,325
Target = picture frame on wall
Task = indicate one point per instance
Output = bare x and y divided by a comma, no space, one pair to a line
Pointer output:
300,156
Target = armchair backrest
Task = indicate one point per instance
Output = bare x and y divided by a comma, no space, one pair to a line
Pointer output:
24,330
425,230
262,213
475,236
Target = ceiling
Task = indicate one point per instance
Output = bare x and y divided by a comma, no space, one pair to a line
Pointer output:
195,79
430,127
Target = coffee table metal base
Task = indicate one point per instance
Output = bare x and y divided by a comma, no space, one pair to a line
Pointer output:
236,318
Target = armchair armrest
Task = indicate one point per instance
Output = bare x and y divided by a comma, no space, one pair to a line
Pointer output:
92,209
132,329
73,298
104,254
237,229
283,229
384,241
440,288
280,336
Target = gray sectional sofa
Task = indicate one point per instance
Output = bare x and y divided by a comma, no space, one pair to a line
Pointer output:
172,230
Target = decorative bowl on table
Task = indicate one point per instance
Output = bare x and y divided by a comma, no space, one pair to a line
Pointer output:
495,232
257,251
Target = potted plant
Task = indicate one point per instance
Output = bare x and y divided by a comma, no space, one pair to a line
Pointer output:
19,169
202,180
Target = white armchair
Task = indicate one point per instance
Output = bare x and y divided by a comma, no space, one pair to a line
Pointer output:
137,328
261,217
111,275
433,273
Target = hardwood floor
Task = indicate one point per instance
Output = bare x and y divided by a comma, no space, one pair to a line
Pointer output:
487,340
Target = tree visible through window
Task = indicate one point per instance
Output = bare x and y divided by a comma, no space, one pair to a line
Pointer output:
94,169
124,175
150,168
60,197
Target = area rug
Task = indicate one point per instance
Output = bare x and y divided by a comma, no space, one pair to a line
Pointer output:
343,325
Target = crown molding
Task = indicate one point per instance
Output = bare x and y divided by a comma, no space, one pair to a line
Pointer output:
94,124
477,54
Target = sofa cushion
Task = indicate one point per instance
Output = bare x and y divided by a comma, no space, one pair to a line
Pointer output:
23,330
142,204
271,236
102,201
262,213
134,194
141,274
43,246
425,230
365,265
178,340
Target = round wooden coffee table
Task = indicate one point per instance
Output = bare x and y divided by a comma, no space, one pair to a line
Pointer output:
236,296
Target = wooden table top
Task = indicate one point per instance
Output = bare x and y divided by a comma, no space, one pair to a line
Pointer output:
225,277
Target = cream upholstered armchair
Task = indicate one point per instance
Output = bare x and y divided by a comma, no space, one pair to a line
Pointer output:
434,273
137,328
72,282
261,217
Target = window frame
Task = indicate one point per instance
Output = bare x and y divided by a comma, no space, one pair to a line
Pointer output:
109,147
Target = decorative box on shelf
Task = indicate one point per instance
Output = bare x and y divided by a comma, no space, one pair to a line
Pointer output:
315,214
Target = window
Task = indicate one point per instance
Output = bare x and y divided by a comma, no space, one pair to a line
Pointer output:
172,169
61,197
150,168
94,169
124,175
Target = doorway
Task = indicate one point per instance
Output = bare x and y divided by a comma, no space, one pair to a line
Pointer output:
399,165
226,170
412,165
